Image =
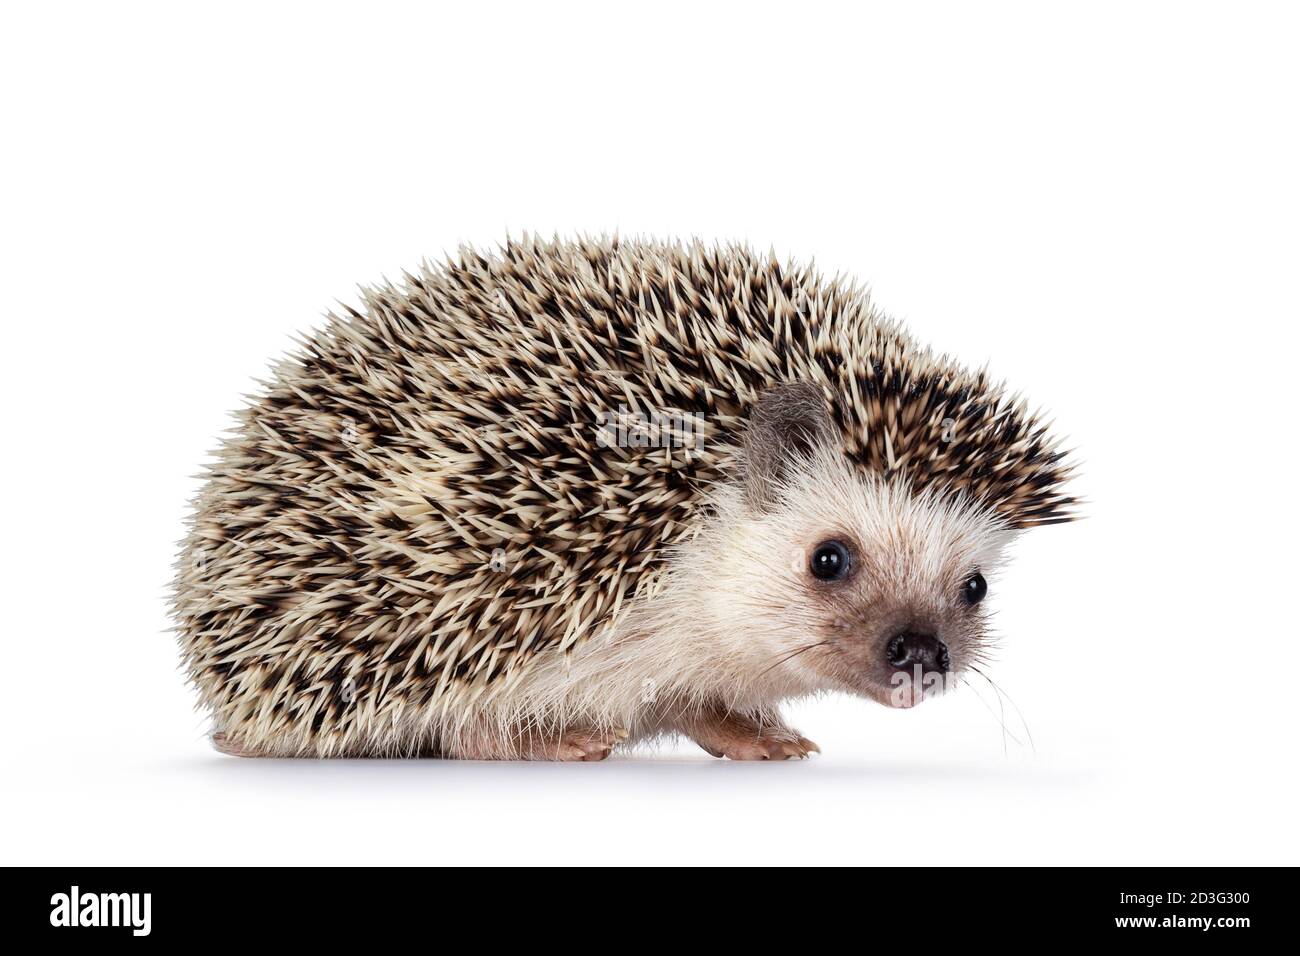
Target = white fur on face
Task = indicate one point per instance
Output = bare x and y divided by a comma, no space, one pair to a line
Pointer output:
757,603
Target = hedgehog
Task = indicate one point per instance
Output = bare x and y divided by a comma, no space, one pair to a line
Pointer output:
565,497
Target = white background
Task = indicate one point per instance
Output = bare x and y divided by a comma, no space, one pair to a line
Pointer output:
1099,200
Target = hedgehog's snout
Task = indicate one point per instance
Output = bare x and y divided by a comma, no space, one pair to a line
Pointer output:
909,649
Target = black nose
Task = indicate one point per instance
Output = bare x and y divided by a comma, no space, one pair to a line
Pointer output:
909,648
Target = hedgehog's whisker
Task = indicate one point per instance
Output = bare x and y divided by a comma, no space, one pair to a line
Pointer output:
1001,721
791,655
1003,694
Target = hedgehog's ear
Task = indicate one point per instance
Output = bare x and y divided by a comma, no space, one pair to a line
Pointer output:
786,423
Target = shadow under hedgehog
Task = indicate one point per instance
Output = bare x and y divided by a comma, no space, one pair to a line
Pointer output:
546,502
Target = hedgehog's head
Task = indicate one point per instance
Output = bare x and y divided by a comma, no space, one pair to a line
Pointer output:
836,577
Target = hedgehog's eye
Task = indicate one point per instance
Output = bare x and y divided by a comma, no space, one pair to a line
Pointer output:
830,561
974,589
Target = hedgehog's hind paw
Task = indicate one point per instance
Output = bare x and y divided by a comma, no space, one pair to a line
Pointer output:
572,744
232,748
575,745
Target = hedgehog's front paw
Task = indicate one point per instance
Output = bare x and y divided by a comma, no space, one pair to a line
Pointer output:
746,737
576,745
781,746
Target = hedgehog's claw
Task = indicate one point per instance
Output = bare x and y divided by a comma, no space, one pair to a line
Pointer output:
774,747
